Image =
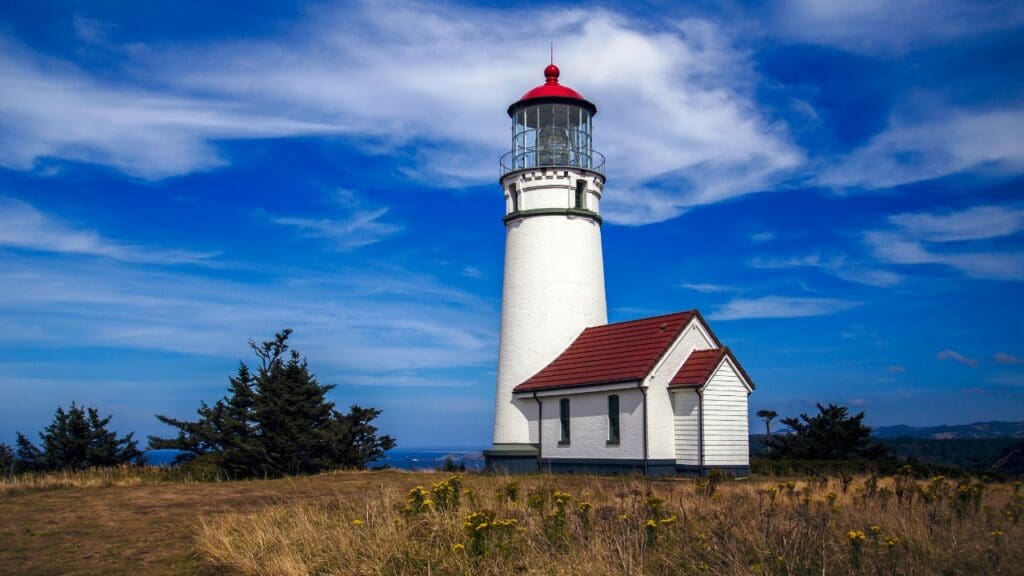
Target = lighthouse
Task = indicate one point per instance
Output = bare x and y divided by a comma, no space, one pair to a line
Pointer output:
552,180
659,395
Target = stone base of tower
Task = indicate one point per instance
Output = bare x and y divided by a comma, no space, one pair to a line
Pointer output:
512,458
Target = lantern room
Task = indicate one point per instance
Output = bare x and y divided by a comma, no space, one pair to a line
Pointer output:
551,127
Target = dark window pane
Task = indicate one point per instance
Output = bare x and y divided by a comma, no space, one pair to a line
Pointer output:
563,406
613,419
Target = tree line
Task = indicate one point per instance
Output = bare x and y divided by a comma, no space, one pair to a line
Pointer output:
273,421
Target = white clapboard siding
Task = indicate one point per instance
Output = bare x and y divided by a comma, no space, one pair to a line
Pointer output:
726,440
685,407
661,441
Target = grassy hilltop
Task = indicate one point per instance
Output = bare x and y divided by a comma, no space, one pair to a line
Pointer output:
116,522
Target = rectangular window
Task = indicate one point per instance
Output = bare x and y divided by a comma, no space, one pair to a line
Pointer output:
563,409
514,194
581,194
613,419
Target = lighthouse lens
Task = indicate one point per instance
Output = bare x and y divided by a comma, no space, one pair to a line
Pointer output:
550,135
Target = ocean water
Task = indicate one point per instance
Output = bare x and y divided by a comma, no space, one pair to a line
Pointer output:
401,459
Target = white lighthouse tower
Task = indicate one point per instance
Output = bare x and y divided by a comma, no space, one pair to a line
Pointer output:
554,272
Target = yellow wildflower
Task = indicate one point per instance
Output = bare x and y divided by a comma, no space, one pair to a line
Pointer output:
456,548
357,522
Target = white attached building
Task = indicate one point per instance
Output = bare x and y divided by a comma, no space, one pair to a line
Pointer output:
659,395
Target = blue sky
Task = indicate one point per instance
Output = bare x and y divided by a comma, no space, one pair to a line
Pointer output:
838,187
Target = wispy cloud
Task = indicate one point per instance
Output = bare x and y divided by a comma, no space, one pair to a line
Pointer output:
1004,358
24,227
948,142
361,228
887,28
949,354
974,223
898,249
896,369
359,321
472,272
369,71
705,288
762,236
780,307
837,266
358,224
921,239
53,109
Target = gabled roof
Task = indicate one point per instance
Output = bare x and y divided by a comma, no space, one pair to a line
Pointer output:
622,352
700,365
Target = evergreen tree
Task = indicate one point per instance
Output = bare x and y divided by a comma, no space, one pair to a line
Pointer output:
225,433
6,460
77,439
277,422
27,457
832,434
767,416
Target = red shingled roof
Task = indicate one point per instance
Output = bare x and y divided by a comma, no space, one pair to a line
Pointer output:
622,352
698,368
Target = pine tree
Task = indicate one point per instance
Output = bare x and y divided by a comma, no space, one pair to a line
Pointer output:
27,458
276,422
6,460
77,439
832,434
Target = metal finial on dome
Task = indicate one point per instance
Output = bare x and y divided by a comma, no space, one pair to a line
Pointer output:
551,74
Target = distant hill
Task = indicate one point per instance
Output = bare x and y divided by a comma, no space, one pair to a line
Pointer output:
960,431
1012,462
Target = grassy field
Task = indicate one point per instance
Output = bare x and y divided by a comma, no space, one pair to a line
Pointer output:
427,523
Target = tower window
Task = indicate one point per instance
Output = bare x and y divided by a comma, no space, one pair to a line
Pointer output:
581,194
513,193
613,419
563,410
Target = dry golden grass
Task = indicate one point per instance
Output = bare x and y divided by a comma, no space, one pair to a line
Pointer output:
599,525
93,478
99,523
130,521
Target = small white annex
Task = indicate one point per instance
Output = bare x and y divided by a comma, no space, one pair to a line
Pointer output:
659,395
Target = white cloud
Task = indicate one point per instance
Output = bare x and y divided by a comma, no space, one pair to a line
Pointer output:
949,141
472,272
359,224
51,109
354,321
837,266
974,223
23,227
780,307
678,121
904,248
705,288
359,229
762,236
948,354
883,27
1004,358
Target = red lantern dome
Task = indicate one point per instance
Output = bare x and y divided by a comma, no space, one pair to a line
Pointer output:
551,92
